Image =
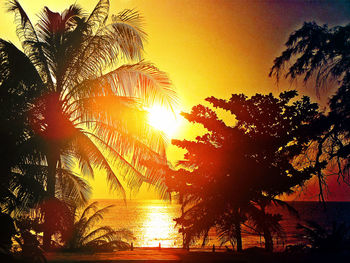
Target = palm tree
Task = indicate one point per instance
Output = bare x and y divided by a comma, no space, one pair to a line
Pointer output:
26,188
15,102
265,223
85,236
83,111
229,227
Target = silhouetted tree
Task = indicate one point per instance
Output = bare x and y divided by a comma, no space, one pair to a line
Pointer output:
231,166
85,235
315,52
266,223
80,107
320,53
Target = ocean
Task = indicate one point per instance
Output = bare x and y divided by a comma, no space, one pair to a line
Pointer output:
151,221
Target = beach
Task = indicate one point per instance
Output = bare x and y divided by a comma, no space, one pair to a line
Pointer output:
152,255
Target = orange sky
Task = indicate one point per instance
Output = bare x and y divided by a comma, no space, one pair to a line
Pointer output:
208,47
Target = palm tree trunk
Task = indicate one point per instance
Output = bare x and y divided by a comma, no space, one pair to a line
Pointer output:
184,243
268,240
238,231
239,237
52,160
267,232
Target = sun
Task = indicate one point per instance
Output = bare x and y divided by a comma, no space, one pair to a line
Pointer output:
163,120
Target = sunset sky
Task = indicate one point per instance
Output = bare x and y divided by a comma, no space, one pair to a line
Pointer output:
208,47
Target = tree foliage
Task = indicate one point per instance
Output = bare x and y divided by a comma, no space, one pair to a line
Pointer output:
322,53
315,51
81,86
230,167
86,233
333,239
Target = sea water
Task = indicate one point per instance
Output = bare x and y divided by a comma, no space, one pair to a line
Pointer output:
152,221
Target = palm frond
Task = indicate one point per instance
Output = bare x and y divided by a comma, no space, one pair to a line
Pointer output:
30,41
149,84
90,208
99,15
71,188
287,206
121,164
132,18
89,154
57,41
16,68
141,80
94,218
98,233
108,46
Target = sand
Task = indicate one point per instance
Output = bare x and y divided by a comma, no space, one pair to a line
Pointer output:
154,255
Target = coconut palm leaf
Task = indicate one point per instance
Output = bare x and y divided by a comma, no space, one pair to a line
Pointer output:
72,189
86,236
69,55
28,35
141,80
95,217
99,51
99,15
14,62
88,153
27,188
285,205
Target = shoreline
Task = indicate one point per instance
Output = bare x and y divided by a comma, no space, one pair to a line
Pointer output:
151,255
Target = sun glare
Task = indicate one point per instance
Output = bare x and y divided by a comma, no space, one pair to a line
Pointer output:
163,119
158,227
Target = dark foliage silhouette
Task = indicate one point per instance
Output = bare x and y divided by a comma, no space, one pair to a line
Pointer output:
7,231
264,222
84,235
326,239
73,107
321,54
232,167
28,239
315,51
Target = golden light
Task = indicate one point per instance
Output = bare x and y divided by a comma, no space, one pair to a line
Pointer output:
163,120
159,227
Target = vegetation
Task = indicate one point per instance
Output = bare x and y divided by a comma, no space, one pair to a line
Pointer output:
84,235
317,53
29,239
334,239
233,169
321,55
74,97
72,109
266,224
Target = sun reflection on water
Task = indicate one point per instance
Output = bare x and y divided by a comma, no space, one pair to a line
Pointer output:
158,227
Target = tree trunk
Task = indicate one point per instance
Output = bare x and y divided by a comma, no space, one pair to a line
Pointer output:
185,244
239,237
238,232
267,232
52,160
268,240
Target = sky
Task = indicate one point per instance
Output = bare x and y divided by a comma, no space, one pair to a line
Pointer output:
209,48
